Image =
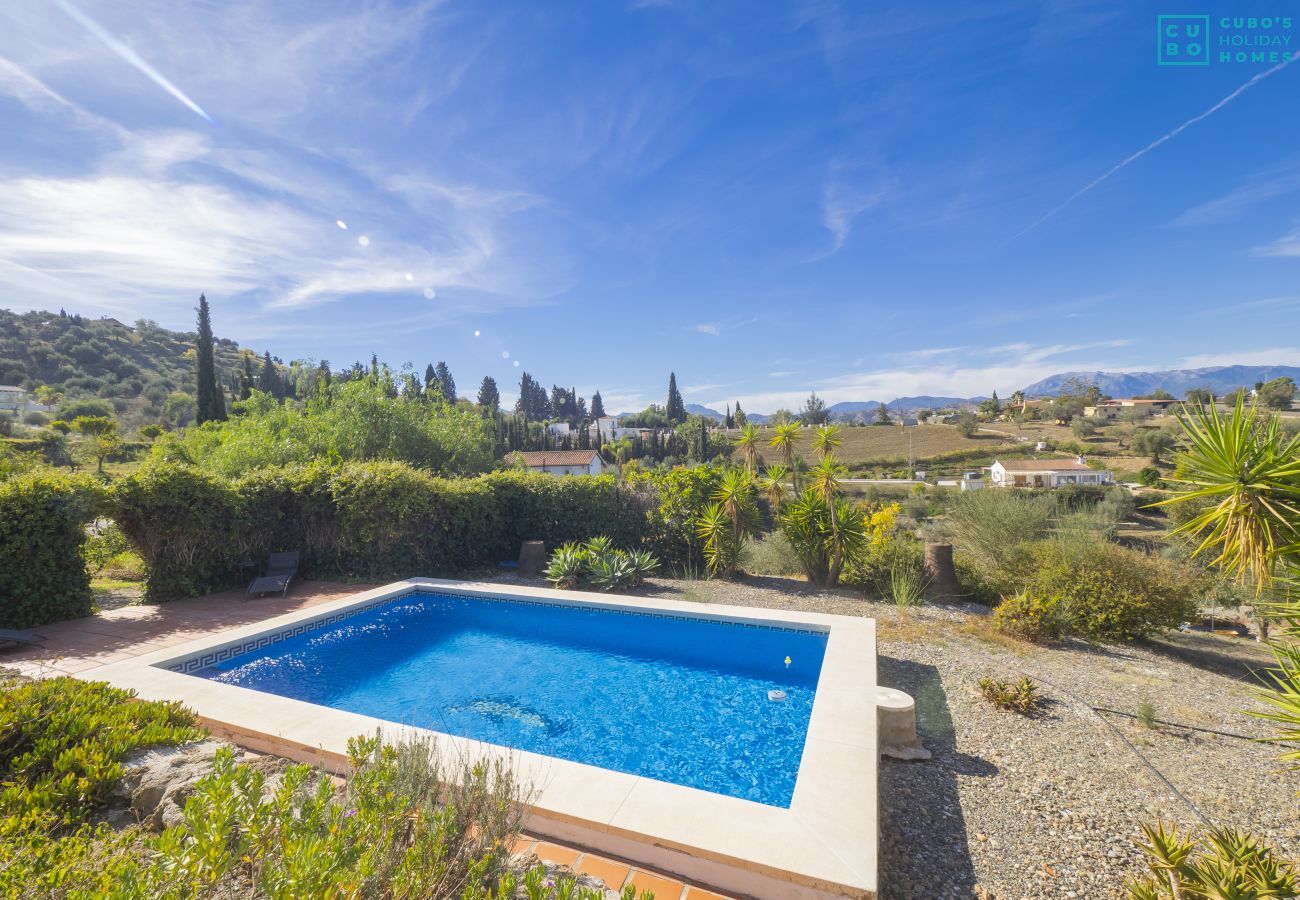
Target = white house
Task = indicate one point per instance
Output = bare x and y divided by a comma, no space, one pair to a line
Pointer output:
606,425
558,462
12,397
1046,473
559,429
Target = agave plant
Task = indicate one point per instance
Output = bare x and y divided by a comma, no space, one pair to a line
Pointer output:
566,566
612,571
600,545
644,564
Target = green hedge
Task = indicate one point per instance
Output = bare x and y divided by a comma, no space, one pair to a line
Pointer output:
376,521
43,575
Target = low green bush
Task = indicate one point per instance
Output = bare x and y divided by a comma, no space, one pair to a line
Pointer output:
1025,615
42,530
406,824
62,743
1022,696
1109,592
772,555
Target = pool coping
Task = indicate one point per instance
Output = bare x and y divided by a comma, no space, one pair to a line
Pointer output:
824,845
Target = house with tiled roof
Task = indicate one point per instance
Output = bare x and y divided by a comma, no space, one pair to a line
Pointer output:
1046,473
558,462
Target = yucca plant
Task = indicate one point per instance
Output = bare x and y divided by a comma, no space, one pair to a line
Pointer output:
825,534
726,524
1248,472
784,438
747,444
1231,866
826,439
773,485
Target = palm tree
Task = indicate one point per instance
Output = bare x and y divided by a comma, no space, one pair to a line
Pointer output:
826,439
1018,399
747,442
784,438
728,521
824,478
1248,472
773,484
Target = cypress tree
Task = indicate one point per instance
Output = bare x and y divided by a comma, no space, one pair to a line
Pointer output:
676,410
211,401
247,380
488,396
268,380
445,382
597,406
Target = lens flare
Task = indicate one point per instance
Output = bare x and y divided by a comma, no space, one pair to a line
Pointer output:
430,293
364,241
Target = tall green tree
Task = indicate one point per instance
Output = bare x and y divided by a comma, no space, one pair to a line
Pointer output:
814,411
247,380
269,380
211,399
675,409
739,416
445,381
488,396
597,406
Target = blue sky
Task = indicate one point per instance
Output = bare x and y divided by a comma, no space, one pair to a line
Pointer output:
767,198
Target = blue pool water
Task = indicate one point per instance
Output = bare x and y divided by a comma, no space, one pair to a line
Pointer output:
675,699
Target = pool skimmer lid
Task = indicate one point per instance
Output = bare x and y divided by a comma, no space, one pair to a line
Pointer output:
776,696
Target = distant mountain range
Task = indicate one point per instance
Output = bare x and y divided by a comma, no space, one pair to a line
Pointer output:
1220,379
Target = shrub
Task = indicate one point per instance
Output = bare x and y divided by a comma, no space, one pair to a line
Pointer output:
1108,592
906,588
979,582
1021,697
824,535
1025,616
62,743
674,499
1149,476
36,417
772,555
992,524
42,529
378,520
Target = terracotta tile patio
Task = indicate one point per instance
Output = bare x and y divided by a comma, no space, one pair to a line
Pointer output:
79,645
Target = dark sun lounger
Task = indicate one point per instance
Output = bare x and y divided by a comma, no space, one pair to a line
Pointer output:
280,571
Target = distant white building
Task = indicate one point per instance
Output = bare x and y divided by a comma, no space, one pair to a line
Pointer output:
1046,473
12,397
558,462
559,429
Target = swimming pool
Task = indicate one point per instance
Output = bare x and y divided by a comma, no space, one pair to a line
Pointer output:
677,699
822,845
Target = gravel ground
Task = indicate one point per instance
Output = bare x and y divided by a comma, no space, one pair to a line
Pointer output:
1048,805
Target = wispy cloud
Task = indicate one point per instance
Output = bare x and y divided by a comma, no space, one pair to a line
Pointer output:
1287,245
1168,136
1263,187
850,190
708,328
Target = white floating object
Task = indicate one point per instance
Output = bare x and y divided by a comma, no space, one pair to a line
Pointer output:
429,293
364,241
340,223
410,277
776,696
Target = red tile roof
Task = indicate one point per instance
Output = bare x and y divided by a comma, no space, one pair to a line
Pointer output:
536,459
1044,465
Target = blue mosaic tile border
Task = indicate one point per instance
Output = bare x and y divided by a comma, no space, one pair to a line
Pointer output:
211,658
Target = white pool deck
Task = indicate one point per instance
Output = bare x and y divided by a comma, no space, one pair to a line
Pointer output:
824,845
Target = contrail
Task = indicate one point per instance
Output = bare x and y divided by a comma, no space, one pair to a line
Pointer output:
128,54
1156,143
